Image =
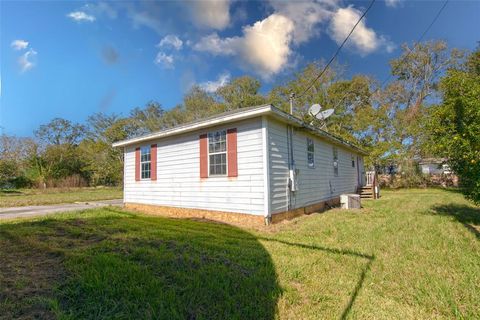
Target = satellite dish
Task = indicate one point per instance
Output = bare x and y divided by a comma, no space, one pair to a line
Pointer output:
324,114
315,109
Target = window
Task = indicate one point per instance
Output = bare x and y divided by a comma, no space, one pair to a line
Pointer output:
217,153
310,153
145,162
353,162
335,162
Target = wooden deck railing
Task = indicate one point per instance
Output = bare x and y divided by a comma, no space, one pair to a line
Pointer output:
370,178
372,182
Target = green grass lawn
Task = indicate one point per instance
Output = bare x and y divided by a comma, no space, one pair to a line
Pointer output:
32,197
413,254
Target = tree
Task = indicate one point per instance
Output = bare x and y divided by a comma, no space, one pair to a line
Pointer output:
350,99
279,95
419,67
417,72
198,104
14,152
57,156
241,92
454,125
60,131
175,116
103,163
148,119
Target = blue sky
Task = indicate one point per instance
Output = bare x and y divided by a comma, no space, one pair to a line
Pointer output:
71,59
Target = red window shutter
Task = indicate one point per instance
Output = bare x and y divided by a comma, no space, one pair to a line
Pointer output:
153,159
232,152
137,164
203,156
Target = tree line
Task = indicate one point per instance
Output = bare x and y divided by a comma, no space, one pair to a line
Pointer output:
410,115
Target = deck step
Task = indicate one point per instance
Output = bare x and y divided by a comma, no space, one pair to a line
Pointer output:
366,192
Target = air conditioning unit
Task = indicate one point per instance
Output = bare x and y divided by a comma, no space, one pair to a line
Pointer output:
350,201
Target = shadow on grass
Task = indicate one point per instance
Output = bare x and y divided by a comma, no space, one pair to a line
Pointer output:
467,215
134,268
352,253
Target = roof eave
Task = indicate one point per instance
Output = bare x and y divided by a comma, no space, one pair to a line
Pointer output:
251,113
324,134
260,111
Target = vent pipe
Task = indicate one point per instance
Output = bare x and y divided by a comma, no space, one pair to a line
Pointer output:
292,96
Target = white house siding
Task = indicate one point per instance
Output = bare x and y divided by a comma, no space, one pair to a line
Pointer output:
278,154
178,174
431,168
314,184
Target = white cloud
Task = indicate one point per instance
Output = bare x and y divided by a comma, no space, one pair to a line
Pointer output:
19,44
216,45
306,16
91,11
268,45
212,86
100,8
171,41
392,3
363,38
27,60
264,46
80,16
213,14
145,19
164,60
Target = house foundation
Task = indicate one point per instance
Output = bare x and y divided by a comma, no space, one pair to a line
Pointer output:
230,217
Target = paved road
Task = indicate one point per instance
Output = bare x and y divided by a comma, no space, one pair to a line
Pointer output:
37,211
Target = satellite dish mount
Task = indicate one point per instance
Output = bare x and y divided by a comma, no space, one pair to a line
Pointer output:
316,112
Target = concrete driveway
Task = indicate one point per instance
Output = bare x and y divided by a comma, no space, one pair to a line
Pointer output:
38,211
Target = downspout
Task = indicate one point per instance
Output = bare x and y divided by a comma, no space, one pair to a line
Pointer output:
266,172
124,156
291,159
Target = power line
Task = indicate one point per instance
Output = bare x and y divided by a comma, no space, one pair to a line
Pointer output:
424,33
338,50
419,39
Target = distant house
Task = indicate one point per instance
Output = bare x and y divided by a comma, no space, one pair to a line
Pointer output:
255,164
434,166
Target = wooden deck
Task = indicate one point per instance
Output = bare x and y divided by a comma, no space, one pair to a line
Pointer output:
371,189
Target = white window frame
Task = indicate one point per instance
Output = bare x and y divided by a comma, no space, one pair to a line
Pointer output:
212,133
143,150
311,142
335,162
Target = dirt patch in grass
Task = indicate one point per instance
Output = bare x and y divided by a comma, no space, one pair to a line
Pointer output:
32,264
27,279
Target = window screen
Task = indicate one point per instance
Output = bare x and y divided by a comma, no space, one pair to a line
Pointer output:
145,162
310,153
217,152
335,161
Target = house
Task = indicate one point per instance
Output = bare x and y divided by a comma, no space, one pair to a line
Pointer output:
434,166
256,164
